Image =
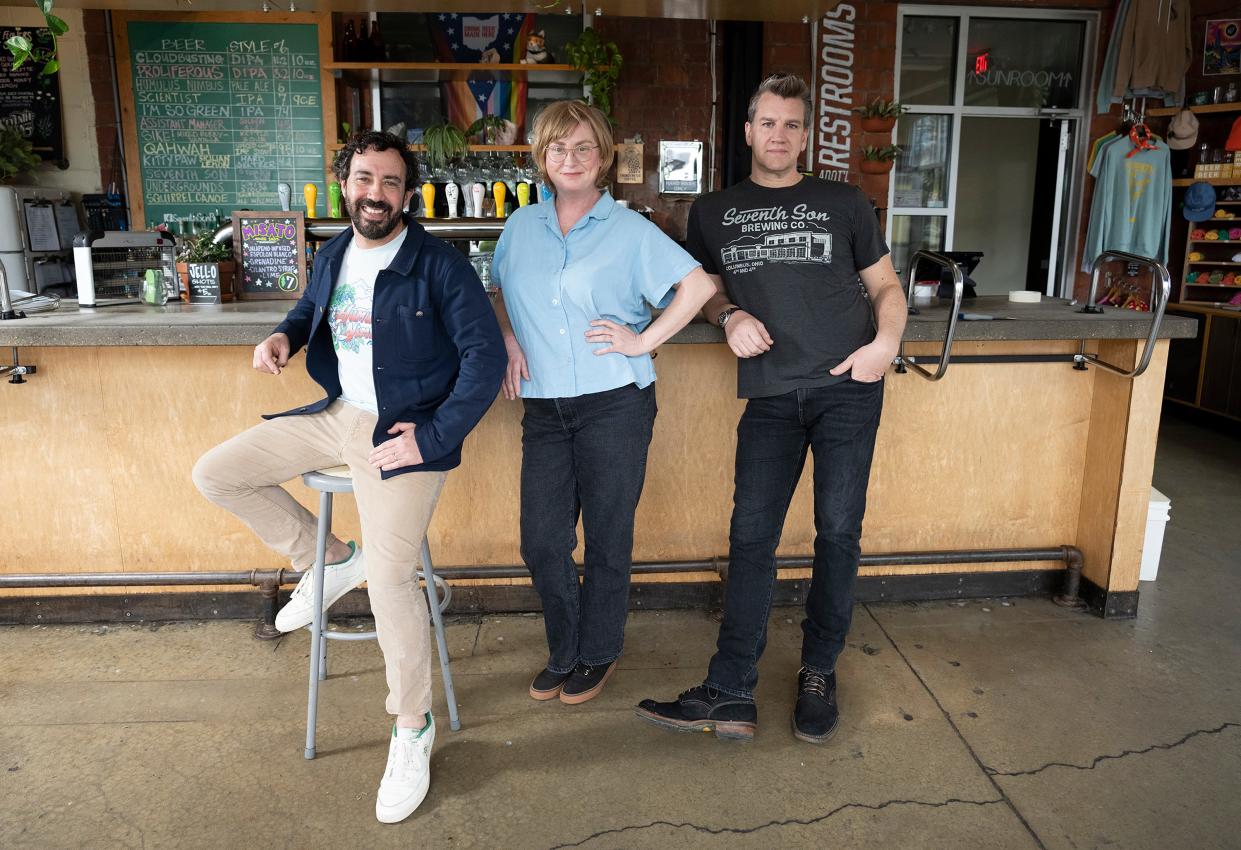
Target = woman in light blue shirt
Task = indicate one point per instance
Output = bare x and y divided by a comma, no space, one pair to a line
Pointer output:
577,278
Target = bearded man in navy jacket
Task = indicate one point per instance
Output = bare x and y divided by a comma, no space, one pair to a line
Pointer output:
400,335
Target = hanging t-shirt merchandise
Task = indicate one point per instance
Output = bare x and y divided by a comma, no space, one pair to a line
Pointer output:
790,257
349,315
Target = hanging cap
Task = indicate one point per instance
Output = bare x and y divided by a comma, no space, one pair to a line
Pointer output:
1199,202
1234,137
1183,131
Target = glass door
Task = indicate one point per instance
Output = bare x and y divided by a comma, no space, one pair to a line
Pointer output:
990,141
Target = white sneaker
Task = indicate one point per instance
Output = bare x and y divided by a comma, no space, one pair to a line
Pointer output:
408,775
338,579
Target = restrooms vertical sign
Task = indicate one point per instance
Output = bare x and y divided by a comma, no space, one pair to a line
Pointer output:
833,137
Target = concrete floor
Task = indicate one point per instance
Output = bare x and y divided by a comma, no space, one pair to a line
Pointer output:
988,723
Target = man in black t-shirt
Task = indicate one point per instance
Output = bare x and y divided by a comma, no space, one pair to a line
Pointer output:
808,299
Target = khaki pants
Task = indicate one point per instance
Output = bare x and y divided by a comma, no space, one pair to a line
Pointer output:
242,475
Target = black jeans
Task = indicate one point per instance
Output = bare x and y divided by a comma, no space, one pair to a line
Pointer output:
838,423
584,455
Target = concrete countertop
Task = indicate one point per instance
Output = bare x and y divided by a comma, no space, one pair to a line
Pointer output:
248,323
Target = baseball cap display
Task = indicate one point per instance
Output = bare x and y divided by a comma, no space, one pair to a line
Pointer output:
1183,131
1234,137
1199,202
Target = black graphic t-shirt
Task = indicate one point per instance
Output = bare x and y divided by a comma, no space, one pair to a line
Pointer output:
790,257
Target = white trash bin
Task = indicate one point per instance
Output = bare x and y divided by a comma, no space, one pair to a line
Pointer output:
1156,522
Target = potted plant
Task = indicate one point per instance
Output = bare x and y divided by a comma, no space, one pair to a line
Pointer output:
878,159
203,249
600,62
444,142
879,116
17,154
491,130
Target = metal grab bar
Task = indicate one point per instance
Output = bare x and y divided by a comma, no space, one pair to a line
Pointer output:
445,228
1159,299
958,289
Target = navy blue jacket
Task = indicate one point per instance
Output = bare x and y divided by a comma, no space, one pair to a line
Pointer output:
438,354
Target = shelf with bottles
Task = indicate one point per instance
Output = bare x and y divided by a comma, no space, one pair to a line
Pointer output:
1200,109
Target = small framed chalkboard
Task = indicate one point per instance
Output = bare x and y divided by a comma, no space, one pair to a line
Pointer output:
270,249
204,280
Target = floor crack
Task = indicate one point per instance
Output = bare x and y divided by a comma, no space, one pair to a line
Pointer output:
735,830
1097,760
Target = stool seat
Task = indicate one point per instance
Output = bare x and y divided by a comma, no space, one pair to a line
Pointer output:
336,479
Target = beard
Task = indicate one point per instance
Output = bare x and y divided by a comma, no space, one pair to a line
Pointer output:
371,229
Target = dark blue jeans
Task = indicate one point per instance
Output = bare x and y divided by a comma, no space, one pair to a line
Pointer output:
838,423
584,455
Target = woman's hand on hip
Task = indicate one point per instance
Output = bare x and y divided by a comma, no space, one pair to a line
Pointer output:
620,339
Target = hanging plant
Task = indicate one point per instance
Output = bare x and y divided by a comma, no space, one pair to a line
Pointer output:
879,159
444,142
879,116
24,50
600,63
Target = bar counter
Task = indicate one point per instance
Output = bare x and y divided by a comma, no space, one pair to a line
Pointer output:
1013,448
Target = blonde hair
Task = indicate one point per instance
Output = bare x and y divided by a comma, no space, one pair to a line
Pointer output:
559,120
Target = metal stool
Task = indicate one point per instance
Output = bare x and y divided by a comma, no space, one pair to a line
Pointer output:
338,480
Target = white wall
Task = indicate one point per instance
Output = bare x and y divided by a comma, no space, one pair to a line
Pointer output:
77,103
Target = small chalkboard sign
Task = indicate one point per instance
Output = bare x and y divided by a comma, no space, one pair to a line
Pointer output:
204,283
270,248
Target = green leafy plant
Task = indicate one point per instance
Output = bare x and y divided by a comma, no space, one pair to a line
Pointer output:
17,154
445,142
881,153
489,127
24,50
880,108
201,249
600,61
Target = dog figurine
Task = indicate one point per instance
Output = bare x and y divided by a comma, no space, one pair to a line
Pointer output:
536,50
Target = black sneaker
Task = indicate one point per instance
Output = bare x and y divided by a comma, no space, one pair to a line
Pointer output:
585,682
815,718
703,709
547,684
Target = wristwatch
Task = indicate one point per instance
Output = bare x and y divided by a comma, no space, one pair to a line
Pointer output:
725,315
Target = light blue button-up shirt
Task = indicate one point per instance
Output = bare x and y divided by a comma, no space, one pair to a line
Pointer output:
613,264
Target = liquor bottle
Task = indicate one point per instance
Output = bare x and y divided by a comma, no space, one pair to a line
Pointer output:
349,44
378,51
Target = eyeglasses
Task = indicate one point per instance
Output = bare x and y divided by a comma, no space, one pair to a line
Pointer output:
584,152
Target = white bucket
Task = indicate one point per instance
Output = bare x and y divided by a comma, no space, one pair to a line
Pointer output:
1156,522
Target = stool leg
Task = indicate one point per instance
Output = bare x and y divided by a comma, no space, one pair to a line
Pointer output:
316,621
437,618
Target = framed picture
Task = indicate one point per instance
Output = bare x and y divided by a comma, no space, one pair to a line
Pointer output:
1221,52
680,168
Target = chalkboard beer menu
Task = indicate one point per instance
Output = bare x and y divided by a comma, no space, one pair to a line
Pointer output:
223,112
29,100
270,248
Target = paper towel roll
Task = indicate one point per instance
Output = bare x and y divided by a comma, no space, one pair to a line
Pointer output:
1025,296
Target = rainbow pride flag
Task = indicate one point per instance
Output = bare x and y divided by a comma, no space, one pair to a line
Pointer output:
465,37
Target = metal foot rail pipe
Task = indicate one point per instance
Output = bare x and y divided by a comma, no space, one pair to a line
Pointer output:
1161,290
958,289
269,579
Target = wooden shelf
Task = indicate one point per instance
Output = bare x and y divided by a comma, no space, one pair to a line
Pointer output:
512,67
1214,181
1211,263
472,148
1205,108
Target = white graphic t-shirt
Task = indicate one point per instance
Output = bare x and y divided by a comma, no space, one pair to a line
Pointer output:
349,315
